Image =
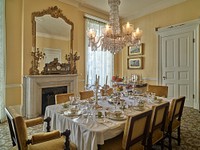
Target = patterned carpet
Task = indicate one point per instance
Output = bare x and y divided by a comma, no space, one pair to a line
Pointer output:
190,132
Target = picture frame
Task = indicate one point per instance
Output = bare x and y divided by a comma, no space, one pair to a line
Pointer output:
135,63
135,50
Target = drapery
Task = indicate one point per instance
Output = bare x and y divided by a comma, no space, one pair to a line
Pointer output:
2,59
100,63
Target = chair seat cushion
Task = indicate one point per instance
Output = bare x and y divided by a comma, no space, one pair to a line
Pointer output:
157,136
175,124
116,144
56,144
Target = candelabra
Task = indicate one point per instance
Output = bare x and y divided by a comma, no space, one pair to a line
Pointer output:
37,56
72,58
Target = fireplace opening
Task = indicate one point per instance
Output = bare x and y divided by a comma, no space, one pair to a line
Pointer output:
48,96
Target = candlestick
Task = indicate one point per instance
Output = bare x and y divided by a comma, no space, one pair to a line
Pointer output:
106,79
87,80
98,81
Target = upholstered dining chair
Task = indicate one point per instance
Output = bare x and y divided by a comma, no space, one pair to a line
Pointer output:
174,119
157,125
86,94
135,134
159,90
62,98
109,92
40,141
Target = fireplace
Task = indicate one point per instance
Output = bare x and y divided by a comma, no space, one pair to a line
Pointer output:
48,96
33,86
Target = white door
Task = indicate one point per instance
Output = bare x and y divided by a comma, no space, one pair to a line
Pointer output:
178,65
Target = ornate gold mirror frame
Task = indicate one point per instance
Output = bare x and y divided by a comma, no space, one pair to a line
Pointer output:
55,12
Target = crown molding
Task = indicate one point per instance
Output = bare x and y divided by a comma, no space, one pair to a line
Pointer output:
74,3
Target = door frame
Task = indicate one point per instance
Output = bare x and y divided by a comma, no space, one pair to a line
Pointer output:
179,28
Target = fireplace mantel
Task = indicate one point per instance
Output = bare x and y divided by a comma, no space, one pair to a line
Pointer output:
33,84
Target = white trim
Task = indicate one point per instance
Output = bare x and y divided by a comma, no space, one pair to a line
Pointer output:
194,26
149,79
14,85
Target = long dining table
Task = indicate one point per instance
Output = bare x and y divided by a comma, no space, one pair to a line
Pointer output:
87,129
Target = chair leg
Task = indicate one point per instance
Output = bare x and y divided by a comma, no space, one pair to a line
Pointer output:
179,136
162,144
170,140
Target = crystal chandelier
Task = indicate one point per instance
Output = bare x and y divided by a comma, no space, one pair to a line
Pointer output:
113,39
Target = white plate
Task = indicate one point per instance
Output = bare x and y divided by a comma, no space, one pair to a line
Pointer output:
139,108
100,120
68,113
122,117
157,101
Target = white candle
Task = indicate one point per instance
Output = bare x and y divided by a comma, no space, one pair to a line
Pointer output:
106,79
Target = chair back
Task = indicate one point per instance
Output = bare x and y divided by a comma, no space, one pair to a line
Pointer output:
109,92
86,94
17,128
159,90
136,129
159,117
177,108
62,98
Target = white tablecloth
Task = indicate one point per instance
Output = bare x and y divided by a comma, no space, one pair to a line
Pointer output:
86,136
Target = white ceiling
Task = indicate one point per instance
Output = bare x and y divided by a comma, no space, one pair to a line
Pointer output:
128,9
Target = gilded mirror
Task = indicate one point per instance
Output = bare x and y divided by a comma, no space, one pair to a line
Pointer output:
52,32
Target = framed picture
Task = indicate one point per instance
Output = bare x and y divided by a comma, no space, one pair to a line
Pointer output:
135,50
135,63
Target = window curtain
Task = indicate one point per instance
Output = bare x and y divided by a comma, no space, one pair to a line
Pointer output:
98,62
2,60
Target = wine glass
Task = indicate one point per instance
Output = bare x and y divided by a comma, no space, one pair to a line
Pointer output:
115,102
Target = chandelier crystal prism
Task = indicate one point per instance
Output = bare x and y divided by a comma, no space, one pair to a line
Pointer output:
113,39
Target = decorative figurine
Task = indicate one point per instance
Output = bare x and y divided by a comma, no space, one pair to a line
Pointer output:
37,56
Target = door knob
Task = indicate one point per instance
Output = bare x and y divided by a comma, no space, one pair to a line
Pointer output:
164,77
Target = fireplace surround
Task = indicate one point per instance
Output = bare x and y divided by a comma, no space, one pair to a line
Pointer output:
32,90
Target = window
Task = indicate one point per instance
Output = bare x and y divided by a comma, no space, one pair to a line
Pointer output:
98,62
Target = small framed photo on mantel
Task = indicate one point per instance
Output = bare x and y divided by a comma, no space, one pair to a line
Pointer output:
135,63
135,50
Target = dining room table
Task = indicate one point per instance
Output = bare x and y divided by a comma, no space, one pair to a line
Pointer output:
92,122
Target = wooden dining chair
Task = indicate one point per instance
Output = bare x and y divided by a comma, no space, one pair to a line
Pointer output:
159,90
40,141
62,98
135,134
109,92
157,126
174,120
86,94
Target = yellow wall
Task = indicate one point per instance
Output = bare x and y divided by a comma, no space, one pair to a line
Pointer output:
180,13
14,51
19,38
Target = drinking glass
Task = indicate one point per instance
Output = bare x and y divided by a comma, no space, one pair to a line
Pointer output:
71,99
